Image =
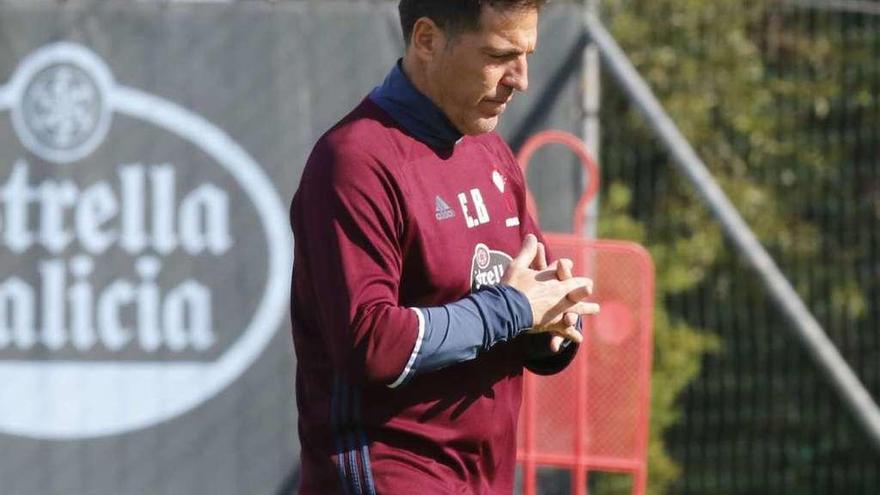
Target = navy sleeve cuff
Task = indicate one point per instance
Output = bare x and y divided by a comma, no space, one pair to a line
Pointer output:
460,331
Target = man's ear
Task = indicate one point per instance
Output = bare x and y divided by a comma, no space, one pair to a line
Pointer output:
427,39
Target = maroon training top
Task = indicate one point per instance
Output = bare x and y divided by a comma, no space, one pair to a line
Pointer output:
384,223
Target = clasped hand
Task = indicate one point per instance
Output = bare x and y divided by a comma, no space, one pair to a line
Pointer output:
557,297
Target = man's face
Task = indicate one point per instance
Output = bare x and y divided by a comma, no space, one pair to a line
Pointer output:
475,76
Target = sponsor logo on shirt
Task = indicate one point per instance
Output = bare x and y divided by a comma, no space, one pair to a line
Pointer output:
487,267
442,211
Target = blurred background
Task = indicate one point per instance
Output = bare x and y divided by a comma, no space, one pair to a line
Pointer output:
149,150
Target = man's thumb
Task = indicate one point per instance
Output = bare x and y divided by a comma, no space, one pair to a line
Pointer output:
527,253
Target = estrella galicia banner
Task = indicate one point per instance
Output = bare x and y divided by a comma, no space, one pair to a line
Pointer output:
127,343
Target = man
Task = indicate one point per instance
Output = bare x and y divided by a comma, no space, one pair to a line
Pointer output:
412,322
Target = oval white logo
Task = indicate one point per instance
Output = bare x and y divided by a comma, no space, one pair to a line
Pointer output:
123,305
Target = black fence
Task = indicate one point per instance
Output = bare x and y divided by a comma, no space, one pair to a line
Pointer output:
782,100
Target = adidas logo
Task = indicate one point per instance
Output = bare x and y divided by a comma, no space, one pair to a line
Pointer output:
442,211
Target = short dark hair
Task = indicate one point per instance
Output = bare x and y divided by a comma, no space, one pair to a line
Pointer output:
454,16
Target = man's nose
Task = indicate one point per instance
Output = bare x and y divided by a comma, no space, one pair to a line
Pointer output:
517,76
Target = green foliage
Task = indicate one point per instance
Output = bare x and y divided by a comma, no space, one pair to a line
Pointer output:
677,347
720,69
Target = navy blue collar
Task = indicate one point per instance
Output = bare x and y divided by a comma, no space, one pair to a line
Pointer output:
414,111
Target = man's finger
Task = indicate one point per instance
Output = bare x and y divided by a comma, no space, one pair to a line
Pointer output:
577,288
548,273
586,283
584,308
540,261
570,321
527,253
570,333
555,317
564,268
582,292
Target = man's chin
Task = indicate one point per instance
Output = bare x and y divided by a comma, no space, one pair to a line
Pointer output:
481,126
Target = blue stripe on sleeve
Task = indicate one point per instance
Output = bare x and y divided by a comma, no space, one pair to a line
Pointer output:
336,421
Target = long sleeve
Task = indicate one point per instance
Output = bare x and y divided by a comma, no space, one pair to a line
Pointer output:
350,223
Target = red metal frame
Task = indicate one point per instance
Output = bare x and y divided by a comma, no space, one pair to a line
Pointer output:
538,141
580,460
